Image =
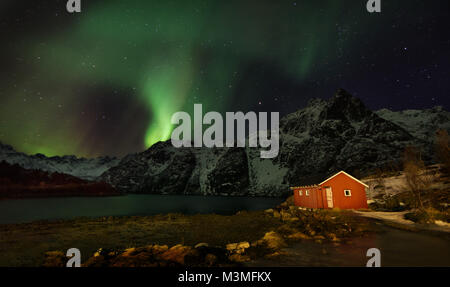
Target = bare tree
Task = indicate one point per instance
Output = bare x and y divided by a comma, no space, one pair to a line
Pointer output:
443,149
380,187
418,179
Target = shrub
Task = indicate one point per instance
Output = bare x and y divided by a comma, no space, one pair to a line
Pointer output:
428,215
388,203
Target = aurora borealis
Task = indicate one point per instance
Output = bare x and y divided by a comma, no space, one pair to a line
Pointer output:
106,81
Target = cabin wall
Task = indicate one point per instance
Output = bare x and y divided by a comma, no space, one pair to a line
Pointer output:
314,200
342,182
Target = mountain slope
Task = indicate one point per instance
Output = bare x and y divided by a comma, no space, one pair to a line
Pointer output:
325,137
419,123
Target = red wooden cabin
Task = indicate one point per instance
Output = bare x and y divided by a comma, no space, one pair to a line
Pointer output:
340,190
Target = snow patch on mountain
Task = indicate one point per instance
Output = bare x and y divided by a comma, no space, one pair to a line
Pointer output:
422,124
266,175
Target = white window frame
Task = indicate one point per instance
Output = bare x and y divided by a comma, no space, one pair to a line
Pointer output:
300,192
349,192
307,192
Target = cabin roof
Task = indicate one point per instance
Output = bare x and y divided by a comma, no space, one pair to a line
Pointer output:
305,186
311,183
346,175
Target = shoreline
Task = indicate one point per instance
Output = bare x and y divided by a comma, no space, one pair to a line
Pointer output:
46,196
268,237
258,228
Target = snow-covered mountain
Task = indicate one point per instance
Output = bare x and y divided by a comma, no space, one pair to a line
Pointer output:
88,169
339,134
325,137
422,124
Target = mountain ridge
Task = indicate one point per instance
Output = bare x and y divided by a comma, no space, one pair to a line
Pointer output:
419,123
84,168
326,136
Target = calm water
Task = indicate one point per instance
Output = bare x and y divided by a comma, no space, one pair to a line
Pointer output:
26,210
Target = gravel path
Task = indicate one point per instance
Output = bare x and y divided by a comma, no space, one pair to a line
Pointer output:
398,217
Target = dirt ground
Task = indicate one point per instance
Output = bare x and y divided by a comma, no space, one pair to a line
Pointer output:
26,244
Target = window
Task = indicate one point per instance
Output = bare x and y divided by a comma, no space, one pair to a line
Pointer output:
348,192
300,192
307,192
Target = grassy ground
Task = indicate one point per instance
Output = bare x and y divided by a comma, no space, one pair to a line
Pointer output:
26,244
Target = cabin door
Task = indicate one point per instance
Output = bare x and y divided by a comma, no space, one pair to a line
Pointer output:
329,197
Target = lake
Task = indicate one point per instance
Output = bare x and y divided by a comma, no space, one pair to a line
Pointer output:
26,210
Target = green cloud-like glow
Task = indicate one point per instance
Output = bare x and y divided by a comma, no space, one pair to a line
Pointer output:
164,92
172,53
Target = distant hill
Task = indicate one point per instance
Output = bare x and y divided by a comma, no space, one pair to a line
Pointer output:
84,168
17,182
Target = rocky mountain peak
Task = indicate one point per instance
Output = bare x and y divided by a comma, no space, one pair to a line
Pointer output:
5,147
344,106
333,116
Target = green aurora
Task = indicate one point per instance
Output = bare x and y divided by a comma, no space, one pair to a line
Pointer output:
170,54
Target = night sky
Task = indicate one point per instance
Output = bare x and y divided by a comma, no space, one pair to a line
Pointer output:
107,81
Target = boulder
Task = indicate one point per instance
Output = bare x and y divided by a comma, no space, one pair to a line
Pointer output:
176,253
202,244
273,240
238,247
298,235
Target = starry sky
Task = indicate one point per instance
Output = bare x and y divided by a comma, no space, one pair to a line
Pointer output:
107,81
